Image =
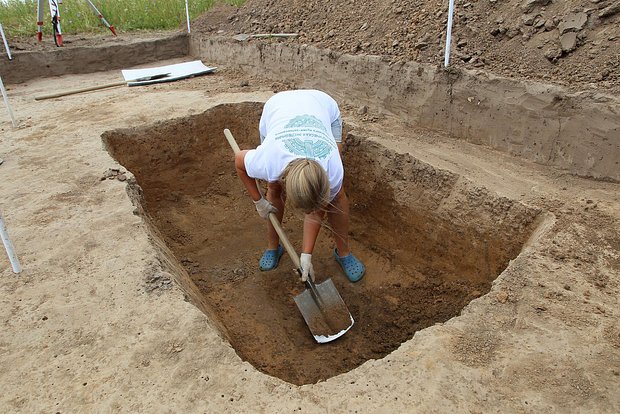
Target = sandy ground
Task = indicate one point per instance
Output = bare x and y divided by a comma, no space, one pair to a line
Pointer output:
83,332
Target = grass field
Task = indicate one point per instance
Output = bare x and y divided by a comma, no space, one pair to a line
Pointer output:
19,17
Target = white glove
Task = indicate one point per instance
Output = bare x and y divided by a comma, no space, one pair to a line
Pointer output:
264,207
306,267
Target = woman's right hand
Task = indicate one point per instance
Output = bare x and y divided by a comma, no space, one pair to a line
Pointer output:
264,207
307,270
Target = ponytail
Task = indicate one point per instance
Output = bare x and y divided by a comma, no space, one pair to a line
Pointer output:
306,184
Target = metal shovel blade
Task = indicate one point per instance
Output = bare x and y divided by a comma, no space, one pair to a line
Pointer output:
324,311
242,37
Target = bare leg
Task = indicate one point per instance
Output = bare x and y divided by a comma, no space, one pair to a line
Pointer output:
275,197
338,217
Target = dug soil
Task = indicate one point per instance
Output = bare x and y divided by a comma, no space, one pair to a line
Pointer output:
572,43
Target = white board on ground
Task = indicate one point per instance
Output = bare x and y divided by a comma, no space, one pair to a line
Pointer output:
176,71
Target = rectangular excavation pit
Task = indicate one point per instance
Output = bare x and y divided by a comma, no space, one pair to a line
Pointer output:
431,240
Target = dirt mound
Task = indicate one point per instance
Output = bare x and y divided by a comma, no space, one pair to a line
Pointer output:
573,42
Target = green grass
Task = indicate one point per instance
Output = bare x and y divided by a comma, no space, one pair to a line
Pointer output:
19,17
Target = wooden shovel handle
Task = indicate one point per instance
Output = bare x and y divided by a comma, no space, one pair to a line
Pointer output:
107,85
74,91
272,217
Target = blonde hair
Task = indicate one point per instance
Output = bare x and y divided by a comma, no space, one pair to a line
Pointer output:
306,184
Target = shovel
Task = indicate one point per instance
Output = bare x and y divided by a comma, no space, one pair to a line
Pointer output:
107,85
243,37
324,311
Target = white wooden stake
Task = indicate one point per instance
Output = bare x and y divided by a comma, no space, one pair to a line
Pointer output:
187,14
6,44
6,102
446,59
9,247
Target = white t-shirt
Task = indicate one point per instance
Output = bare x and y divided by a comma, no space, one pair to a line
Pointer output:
297,124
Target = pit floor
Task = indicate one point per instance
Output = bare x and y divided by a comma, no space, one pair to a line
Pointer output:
81,331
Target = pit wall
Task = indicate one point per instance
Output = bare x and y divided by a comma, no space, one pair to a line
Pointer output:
431,219
576,131
74,60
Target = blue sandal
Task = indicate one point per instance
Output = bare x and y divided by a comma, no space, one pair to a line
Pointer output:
351,266
270,259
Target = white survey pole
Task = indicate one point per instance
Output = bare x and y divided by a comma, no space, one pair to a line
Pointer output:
55,12
40,20
9,247
446,59
6,102
6,44
187,14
